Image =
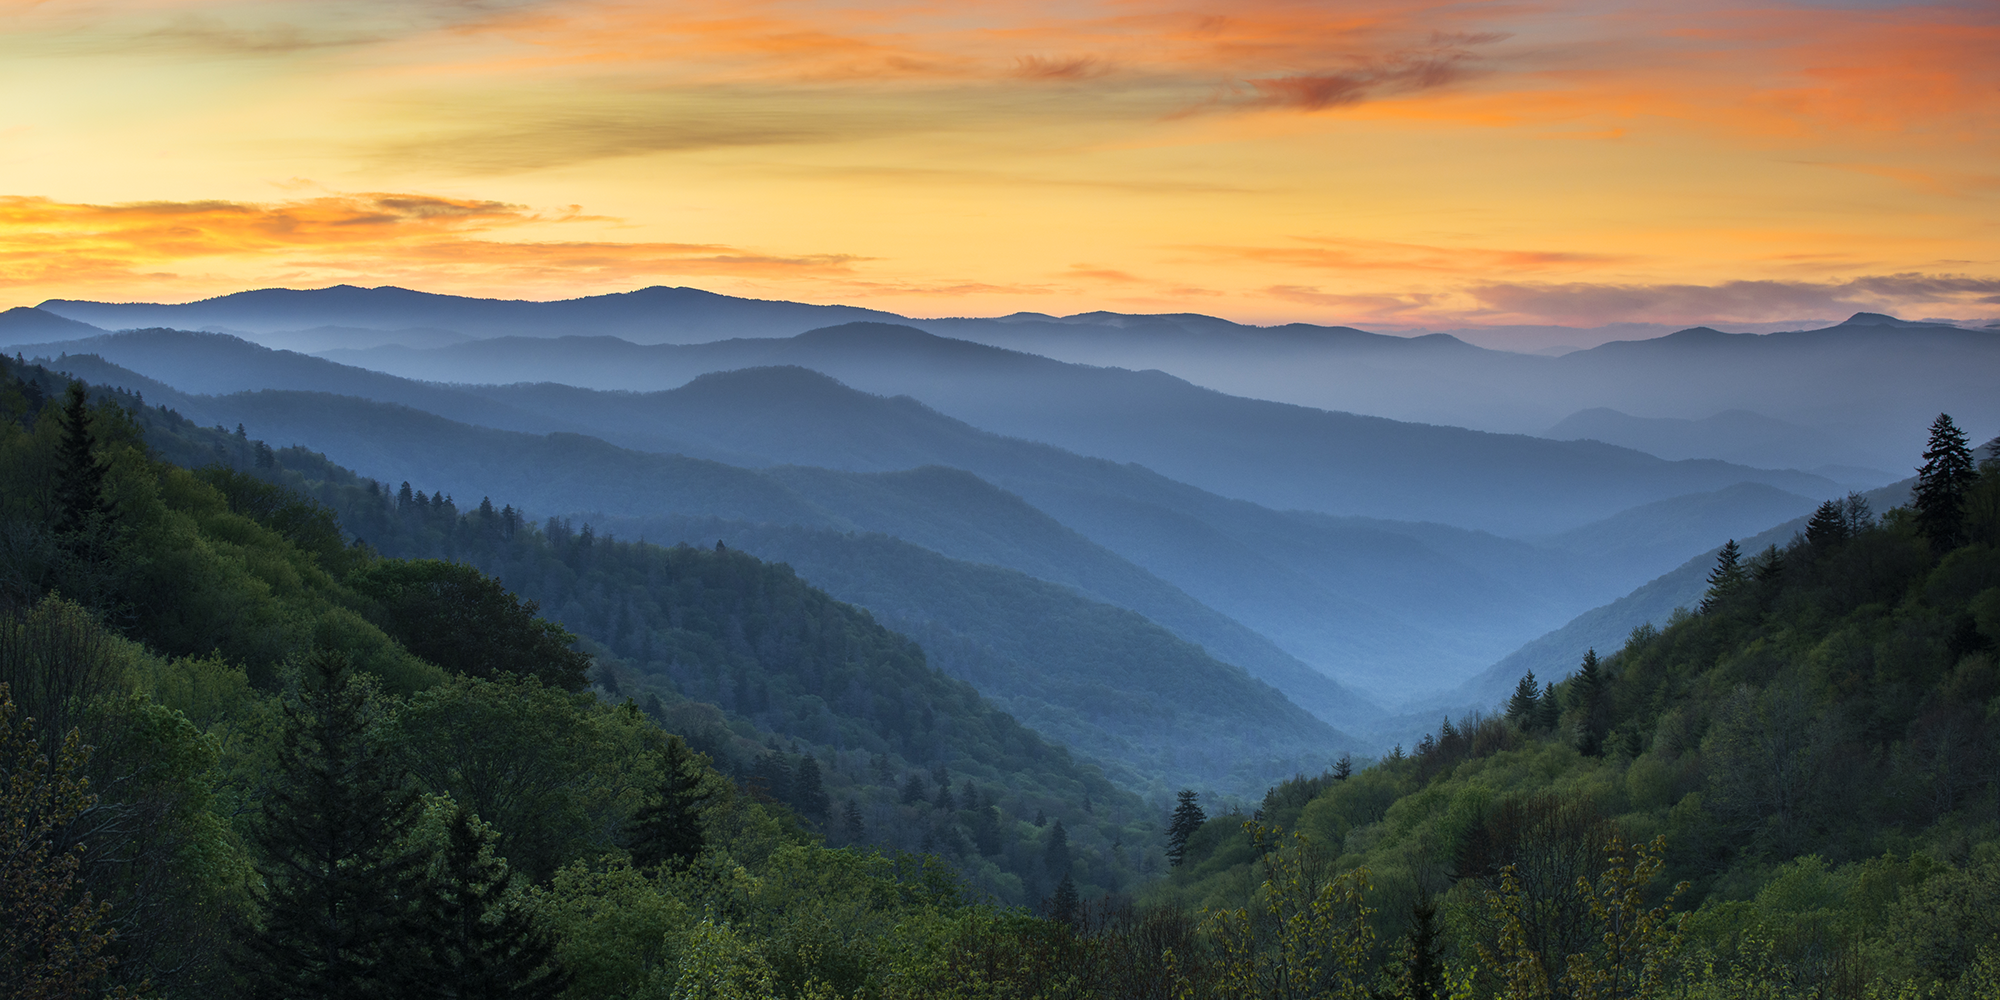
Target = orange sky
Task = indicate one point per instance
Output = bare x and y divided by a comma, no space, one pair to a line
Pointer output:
1381,163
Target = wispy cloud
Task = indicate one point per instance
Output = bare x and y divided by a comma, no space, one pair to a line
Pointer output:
44,241
1577,304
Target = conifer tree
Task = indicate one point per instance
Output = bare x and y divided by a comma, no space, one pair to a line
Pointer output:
1419,972
1946,474
1055,855
1725,577
1524,708
1551,708
913,790
852,824
944,800
1768,565
1066,906
336,885
808,790
1589,698
478,943
1344,767
1187,818
671,829
81,509
1828,525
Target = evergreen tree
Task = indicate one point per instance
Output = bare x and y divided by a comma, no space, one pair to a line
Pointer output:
1342,768
1828,525
772,773
1725,577
1946,474
986,831
1187,818
852,824
913,790
1767,566
335,885
1524,709
478,941
1859,517
81,512
968,795
1065,907
1419,970
1551,708
808,791
944,800
672,829
1588,688
1055,854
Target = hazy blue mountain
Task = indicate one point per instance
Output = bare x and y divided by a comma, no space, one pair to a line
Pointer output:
1277,455
1555,655
28,325
1732,435
648,315
1652,538
1386,609
1099,678
948,510
219,364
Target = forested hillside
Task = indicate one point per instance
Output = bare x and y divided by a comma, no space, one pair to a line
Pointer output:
1814,754
232,674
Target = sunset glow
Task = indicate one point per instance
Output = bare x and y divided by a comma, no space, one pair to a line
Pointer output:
1383,163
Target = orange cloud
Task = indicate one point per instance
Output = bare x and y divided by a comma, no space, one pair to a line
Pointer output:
1383,255
43,241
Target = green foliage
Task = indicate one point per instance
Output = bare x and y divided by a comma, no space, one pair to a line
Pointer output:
467,622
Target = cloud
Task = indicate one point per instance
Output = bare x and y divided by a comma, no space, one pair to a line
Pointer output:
1579,304
1397,73
43,241
1078,68
1333,254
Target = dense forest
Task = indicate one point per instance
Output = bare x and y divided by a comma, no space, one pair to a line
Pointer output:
257,741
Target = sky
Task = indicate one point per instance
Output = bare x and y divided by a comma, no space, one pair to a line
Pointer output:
1383,163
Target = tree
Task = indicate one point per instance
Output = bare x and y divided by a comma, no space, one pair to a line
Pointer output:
852,824
672,830
808,790
1055,854
1187,818
1946,474
1524,708
81,509
1587,693
1767,566
913,790
1828,525
336,880
51,947
1342,768
1419,972
478,940
467,622
1726,577
1065,905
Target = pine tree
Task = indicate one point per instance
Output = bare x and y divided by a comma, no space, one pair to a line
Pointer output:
1946,474
1550,715
1187,818
1066,906
335,885
1588,688
913,790
1768,565
1344,767
1524,709
1859,517
1055,854
1419,971
852,824
1726,577
1828,525
808,791
81,509
478,942
672,830
944,800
